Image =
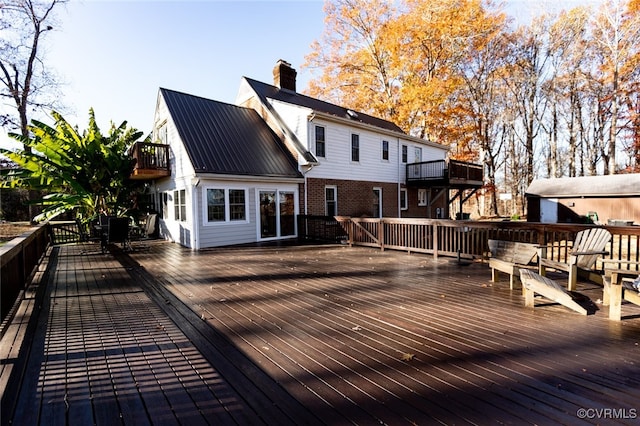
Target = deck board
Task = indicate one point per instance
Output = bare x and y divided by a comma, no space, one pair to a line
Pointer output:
315,335
322,316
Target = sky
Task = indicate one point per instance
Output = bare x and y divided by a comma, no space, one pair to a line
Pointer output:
114,55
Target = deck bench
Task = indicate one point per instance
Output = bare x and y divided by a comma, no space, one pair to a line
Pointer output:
534,283
510,257
618,287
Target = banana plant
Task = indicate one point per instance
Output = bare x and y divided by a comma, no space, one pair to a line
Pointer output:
84,172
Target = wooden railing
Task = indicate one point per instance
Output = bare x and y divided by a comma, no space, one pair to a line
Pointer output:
18,259
468,239
446,171
152,160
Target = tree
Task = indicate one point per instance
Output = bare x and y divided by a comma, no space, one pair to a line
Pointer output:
87,173
353,59
26,83
616,30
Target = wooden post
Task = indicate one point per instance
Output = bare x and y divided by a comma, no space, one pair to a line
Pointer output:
615,297
435,240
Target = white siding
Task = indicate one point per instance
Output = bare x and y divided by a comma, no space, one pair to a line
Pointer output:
179,159
295,117
231,233
337,162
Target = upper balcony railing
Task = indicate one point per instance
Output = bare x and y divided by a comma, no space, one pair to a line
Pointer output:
445,172
152,160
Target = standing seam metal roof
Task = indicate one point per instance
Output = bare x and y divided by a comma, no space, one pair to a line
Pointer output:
221,138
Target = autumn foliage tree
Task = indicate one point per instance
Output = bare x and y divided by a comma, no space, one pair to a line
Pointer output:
554,97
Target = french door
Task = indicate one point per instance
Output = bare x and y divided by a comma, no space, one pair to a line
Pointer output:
277,214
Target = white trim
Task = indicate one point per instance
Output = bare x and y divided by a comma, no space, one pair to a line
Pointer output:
241,178
296,211
406,199
379,189
227,215
335,200
353,123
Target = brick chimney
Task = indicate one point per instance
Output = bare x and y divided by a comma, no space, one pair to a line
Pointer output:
284,77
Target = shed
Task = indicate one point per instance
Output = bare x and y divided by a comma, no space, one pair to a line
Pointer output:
611,199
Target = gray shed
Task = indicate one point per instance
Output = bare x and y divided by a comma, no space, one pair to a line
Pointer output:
611,199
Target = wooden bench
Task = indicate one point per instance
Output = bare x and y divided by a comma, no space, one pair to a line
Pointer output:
534,283
509,257
618,287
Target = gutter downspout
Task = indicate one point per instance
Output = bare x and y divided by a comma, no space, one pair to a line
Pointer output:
194,213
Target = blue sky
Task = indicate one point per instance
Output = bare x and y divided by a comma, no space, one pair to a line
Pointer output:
113,55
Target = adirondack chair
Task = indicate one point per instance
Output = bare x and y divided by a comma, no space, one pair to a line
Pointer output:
587,248
533,284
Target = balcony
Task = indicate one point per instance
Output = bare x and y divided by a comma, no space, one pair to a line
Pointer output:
152,161
445,173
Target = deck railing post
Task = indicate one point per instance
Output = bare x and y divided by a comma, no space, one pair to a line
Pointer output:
381,233
435,240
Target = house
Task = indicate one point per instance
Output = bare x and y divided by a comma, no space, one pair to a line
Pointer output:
242,173
611,199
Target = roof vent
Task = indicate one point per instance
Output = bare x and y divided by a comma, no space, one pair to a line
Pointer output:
352,114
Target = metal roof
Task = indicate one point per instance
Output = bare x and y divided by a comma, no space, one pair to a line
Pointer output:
221,138
626,185
272,92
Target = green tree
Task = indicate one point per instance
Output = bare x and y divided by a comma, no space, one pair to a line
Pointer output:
85,173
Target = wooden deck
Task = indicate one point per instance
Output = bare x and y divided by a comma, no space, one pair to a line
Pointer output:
309,335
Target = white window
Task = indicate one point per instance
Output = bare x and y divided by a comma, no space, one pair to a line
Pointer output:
385,150
225,205
320,142
355,147
161,134
331,200
423,197
404,154
417,155
404,201
180,205
377,202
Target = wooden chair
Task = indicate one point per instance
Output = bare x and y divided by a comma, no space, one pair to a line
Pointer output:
587,248
118,232
533,284
509,257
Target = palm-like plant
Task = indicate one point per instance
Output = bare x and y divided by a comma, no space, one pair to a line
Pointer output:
87,173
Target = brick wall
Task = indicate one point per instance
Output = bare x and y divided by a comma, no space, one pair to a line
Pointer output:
355,198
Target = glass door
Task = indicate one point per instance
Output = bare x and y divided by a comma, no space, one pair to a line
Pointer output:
287,214
268,223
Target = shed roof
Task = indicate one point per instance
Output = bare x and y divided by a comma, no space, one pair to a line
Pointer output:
273,92
221,138
625,185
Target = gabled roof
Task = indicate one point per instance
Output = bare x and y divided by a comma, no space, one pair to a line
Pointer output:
272,92
626,185
227,139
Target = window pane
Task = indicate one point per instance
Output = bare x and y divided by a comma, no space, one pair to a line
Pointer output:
355,148
320,141
385,150
237,204
330,201
215,205
404,153
287,214
183,205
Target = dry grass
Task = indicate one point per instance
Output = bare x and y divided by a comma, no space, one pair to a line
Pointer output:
10,230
